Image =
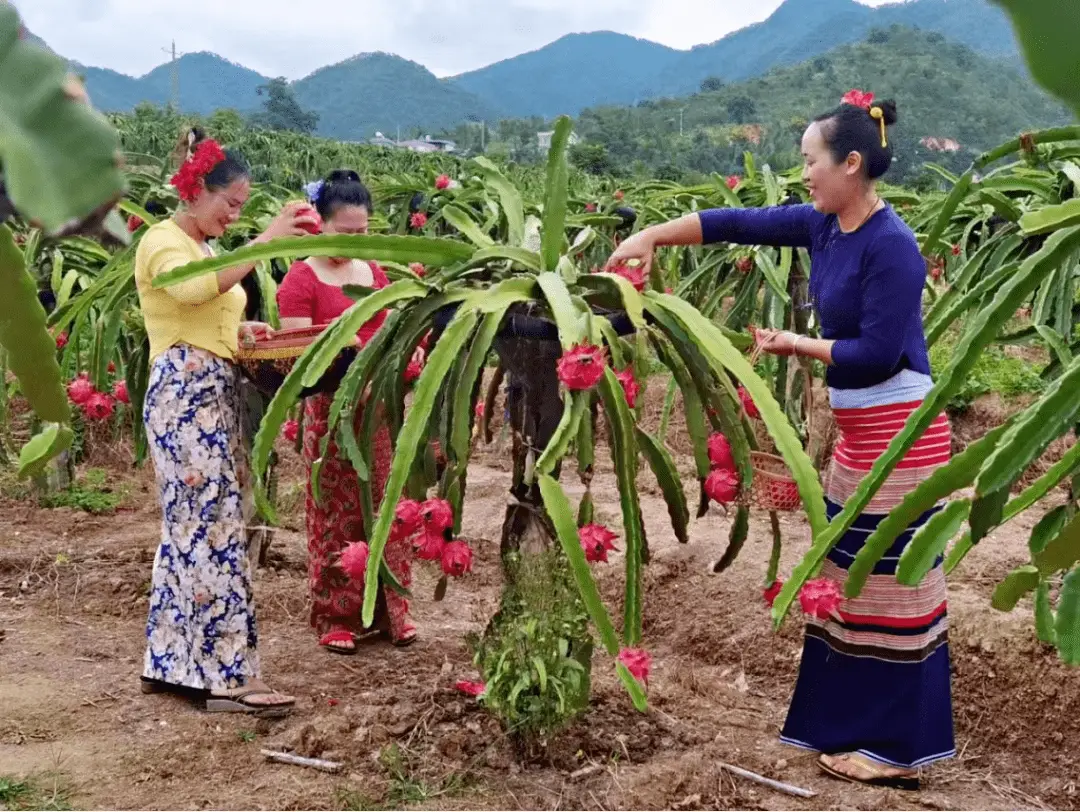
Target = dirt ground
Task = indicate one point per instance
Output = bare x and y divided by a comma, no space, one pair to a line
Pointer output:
73,601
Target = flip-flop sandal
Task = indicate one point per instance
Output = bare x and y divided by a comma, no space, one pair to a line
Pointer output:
406,639
878,777
149,685
384,629
338,636
235,704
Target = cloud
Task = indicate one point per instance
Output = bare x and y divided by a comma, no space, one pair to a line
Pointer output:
290,38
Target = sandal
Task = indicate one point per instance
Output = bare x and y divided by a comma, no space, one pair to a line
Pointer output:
236,701
876,775
148,685
406,636
328,640
396,623
233,701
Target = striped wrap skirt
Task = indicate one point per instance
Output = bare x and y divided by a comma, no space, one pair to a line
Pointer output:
874,678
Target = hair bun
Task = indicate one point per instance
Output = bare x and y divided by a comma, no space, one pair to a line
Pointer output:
186,144
343,176
342,187
195,136
888,108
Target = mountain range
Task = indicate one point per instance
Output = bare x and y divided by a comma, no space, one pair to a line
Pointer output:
380,91
953,104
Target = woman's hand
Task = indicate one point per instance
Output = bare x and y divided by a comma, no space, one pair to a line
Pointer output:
775,342
252,331
290,222
418,356
636,249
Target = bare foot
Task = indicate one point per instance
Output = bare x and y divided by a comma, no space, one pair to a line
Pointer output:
340,640
863,770
256,692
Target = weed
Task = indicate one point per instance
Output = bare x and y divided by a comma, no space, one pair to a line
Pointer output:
92,494
406,787
45,791
535,657
995,371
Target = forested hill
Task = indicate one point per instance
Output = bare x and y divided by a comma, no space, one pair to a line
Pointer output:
943,90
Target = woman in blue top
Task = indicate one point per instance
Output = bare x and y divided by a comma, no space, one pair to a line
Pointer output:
873,693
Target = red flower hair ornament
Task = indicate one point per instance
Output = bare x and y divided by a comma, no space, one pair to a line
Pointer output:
866,101
858,99
188,180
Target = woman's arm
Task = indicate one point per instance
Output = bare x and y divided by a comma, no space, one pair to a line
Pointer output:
294,322
775,225
785,342
791,226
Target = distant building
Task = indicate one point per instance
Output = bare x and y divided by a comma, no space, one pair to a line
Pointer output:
418,145
425,144
543,140
940,144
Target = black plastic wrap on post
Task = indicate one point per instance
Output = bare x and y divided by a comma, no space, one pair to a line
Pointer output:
523,324
534,408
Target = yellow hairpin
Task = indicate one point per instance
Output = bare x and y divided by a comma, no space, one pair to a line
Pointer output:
879,114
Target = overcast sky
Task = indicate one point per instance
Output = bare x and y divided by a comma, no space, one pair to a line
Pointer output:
291,38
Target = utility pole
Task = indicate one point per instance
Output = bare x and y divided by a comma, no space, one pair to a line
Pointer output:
175,76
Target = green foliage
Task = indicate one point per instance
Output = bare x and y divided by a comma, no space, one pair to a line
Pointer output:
53,440
91,494
995,371
1045,30
407,783
31,351
291,159
33,792
59,157
281,110
592,158
535,679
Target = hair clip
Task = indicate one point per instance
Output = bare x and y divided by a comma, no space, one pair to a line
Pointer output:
313,190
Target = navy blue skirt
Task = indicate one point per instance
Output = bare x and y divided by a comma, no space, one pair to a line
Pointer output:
875,680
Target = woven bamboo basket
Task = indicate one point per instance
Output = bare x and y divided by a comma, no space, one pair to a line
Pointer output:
267,361
773,488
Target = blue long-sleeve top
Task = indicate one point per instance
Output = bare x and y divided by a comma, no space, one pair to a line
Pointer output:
866,286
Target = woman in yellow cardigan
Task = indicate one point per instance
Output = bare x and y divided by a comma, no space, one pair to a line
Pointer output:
201,639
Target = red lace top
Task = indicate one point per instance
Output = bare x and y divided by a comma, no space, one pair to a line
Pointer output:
302,295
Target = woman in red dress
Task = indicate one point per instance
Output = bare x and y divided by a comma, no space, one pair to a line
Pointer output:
309,295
